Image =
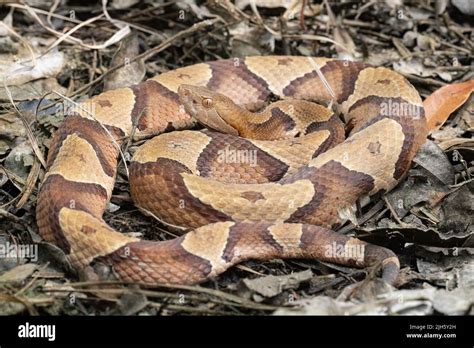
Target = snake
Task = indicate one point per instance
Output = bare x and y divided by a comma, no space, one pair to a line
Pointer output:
263,181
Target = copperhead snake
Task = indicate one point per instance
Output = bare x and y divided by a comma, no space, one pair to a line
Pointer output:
285,204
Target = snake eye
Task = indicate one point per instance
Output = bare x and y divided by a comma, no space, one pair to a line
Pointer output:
207,102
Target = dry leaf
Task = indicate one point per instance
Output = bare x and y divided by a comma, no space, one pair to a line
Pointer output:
132,302
270,286
132,72
443,102
403,302
436,163
17,72
465,6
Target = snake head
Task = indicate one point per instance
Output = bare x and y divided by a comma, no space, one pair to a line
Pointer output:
211,109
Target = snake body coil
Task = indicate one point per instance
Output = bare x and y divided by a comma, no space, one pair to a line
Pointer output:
284,204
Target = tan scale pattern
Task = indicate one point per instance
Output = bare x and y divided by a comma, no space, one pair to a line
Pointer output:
198,74
288,236
89,236
110,109
278,71
209,244
77,161
294,152
355,154
279,203
302,112
185,146
381,82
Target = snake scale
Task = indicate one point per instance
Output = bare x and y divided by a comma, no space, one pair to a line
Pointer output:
284,205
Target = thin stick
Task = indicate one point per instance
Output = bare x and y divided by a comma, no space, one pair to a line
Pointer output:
100,123
394,213
29,132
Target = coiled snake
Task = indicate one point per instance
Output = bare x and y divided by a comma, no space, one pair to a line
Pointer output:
282,203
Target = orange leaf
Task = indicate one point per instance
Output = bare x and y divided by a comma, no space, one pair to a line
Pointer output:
444,101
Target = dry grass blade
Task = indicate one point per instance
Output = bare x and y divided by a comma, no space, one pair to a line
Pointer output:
19,299
29,132
30,184
196,288
225,298
16,180
10,216
174,227
323,78
152,51
53,8
312,37
23,41
117,36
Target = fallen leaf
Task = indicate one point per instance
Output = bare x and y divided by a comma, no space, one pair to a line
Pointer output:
11,126
425,42
270,286
132,72
444,101
45,111
249,40
409,38
465,6
11,307
447,133
416,67
20,159
402,302
123,4
426,236
8,262
320,305
444,271
132,302
32,90
8,46
436,163
416,190
440,6
16,72
344,39
456,302
457,210
55,256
